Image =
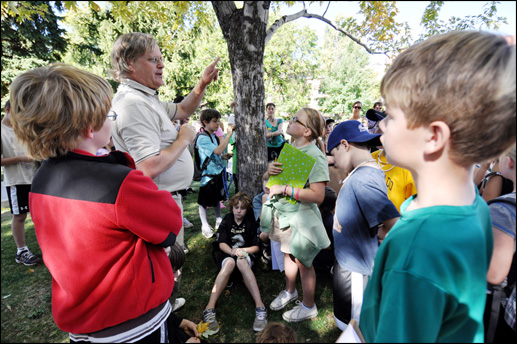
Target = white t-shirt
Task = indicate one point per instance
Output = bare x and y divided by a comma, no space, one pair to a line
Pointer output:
144,127
17,174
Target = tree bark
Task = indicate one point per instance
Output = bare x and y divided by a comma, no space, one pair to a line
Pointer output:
245,33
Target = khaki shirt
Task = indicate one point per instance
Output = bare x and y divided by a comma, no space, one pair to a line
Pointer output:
144,127
17,174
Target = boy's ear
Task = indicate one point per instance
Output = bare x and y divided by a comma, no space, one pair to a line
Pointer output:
88,133
437,138
345,144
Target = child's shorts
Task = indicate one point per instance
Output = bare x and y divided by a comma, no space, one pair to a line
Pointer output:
212,193
18,198
223,257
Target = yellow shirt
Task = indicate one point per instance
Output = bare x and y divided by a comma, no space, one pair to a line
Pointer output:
399,181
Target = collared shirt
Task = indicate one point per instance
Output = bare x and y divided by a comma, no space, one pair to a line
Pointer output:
144,127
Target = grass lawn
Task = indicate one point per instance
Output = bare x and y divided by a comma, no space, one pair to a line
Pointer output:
26,292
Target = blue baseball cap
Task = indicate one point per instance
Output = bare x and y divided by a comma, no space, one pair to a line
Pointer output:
352,131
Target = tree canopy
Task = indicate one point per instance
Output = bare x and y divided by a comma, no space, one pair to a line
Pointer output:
263,54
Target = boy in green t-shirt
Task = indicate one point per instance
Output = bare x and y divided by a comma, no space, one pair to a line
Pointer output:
450,101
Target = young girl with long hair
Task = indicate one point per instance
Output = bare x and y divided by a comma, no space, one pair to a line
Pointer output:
299,228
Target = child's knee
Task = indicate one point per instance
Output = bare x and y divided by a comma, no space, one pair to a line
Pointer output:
243,264
228,266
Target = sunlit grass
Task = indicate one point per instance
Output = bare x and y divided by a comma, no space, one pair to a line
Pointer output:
26,292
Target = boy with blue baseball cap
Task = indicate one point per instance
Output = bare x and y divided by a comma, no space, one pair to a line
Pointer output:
362,209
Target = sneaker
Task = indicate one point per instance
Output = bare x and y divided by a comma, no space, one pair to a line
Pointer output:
187,223
209,317
260,319
26,258
282,300
178,303
208,232
300,313
218,222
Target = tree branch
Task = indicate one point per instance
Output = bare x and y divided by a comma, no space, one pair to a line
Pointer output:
303,13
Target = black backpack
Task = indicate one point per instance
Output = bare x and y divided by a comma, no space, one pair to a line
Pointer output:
198,168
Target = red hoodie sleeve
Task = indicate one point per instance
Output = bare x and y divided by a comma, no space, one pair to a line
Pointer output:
146,211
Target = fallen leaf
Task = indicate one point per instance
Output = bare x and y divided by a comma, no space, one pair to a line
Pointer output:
6,296
29,271
9,307
227,293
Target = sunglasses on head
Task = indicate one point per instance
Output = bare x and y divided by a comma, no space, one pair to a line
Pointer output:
296,120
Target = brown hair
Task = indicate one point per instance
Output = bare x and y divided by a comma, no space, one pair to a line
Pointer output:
465,79
52,107
245,199
316,123
208,115
128,48
277,332
177,256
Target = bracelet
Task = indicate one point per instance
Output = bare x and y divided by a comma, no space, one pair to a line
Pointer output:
298,194
292,191
285,190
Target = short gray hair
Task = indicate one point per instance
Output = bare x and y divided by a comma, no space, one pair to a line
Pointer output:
127,48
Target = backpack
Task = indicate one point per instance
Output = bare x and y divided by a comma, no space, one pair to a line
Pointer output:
499,292
198,168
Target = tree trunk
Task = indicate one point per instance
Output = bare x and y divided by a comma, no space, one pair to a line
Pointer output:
245,33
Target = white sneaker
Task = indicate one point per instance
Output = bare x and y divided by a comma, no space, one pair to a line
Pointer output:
283,299
300,313
208,232
187,223
218,222
178,303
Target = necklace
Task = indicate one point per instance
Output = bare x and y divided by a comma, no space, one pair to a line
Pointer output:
355,169
382,164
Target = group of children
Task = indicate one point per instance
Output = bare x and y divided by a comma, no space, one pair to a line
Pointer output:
450,103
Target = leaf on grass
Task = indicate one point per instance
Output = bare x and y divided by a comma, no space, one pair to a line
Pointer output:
227,293
9,307
202,327
29,271
6,296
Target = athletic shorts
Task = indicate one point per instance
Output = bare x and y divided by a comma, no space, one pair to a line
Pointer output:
18,198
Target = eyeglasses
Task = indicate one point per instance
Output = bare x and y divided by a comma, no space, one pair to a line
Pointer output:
296,120
155,60
112,115
357,107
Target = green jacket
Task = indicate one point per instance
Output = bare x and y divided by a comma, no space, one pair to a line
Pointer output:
308,233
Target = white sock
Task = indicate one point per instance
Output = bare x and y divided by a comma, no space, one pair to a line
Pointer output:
202,216
21,249
304,306
217,211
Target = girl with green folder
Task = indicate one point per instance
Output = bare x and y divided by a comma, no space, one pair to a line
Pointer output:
298,227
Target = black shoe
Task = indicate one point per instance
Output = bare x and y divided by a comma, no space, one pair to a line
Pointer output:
27,258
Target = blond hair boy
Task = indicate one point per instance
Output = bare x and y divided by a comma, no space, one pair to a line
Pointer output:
450,102
101,225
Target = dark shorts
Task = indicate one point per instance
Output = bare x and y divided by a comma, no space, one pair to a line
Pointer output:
212,193
18,198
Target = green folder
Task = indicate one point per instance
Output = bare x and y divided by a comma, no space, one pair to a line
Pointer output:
297,167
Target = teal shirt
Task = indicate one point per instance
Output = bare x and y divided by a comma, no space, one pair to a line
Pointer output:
275,141
216,165
429,277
